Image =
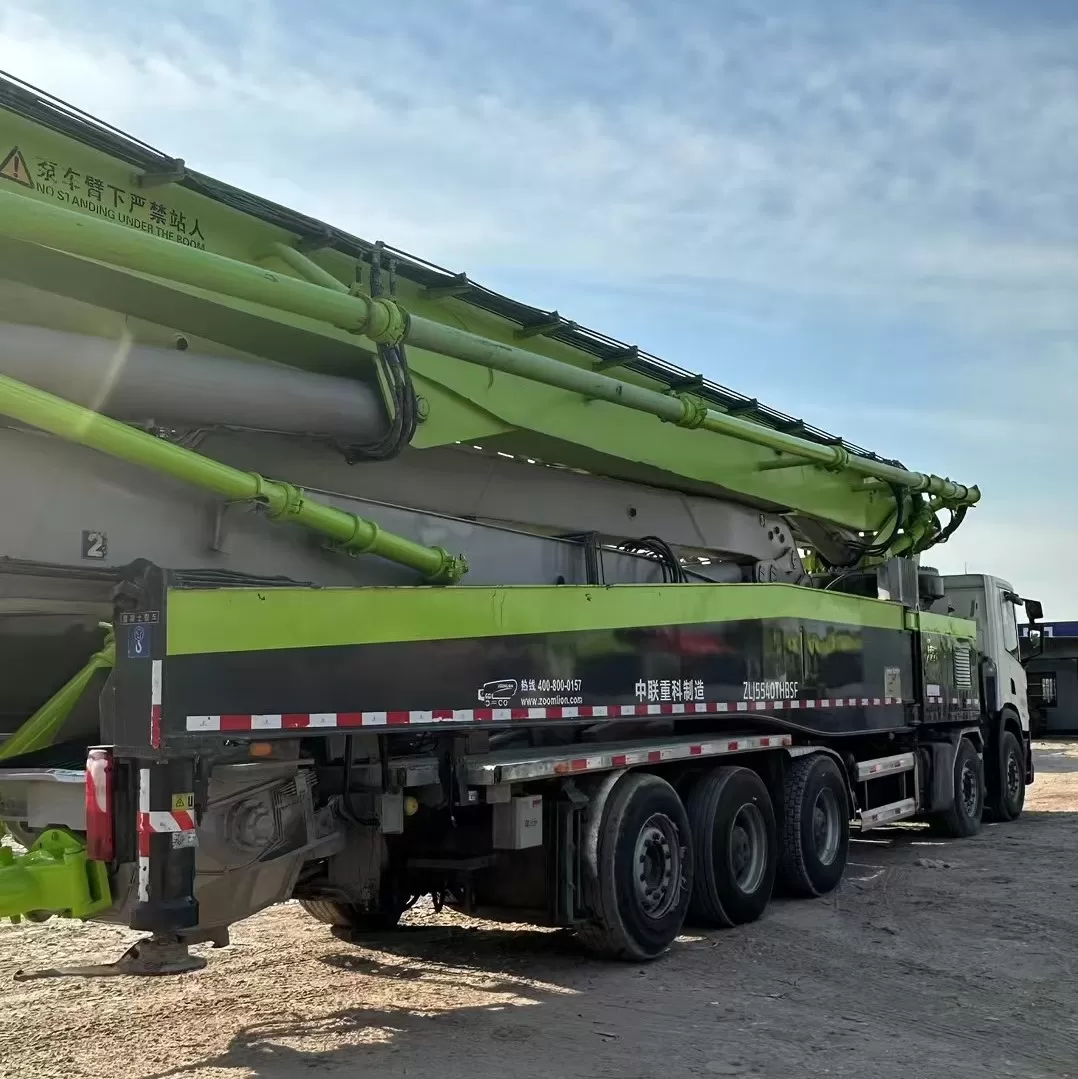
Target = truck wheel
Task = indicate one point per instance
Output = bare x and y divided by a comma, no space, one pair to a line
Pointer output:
816,829
351,915
638,864
735,847
963,817
1008,791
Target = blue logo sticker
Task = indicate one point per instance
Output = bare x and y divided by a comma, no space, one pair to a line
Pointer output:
139,641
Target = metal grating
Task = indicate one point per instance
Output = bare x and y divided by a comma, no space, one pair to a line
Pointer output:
963,668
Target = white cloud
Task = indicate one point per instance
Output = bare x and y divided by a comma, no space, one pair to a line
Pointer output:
924,170
909,164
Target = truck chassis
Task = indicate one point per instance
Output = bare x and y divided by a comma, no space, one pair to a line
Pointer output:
695,767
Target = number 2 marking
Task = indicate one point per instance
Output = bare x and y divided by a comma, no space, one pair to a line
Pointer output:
94,545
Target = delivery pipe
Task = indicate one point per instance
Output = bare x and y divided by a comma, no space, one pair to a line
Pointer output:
173,388
283,502
679,409
33,221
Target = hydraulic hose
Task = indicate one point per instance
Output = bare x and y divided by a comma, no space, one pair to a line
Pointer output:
391,356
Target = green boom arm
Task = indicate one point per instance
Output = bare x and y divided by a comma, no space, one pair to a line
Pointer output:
386,322
195,255
283,501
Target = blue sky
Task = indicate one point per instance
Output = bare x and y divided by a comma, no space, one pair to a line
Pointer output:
864,213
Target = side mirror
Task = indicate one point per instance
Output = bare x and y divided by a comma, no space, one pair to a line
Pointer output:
1034,610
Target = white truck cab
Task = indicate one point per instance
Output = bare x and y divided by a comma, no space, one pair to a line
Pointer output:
992,603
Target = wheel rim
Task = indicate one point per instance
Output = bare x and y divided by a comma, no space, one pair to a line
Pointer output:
748,848
968,786
1014,776
826,824
658,866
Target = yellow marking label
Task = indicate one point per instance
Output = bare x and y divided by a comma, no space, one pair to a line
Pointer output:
183,803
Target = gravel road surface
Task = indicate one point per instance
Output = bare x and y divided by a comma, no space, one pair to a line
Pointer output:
932,959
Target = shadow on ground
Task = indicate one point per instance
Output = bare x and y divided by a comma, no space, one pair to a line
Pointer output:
536,1005
517,969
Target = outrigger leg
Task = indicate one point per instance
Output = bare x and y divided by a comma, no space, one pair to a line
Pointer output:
153,956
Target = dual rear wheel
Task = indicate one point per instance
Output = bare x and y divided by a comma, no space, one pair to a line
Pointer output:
712,855
654,860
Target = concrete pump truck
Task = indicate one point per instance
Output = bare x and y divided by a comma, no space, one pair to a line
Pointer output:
328,575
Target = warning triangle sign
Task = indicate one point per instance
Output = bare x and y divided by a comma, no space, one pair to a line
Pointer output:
14,167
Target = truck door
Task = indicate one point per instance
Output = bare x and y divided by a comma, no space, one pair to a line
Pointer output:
1012,675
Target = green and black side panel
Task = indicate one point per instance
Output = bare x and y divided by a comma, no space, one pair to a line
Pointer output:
947,664
201,664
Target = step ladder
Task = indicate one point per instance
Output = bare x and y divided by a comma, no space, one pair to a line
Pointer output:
869,773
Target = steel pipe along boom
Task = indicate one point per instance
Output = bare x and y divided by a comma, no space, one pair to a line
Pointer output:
283,502
305,267
680,409
97,238
683,410
384,321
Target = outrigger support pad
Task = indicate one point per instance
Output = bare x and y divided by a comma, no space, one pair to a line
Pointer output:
150,957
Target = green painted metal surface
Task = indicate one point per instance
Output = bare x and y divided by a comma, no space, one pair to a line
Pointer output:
241,619
944,624
283,502
95,237
682,410
53,877
41,728
537,394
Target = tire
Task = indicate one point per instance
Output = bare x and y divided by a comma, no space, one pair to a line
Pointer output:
816,827
963,818
735,847
1007,796
638,865
352,916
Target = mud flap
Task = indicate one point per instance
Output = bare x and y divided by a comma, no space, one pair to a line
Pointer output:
941,783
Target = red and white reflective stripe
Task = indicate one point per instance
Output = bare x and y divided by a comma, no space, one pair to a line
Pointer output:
166,821
151,822
320,720
143,836
155,703
599,762
316,720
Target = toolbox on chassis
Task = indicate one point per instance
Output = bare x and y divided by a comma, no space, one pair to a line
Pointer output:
654,753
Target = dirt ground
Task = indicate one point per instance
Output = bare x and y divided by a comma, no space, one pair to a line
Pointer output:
932,959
